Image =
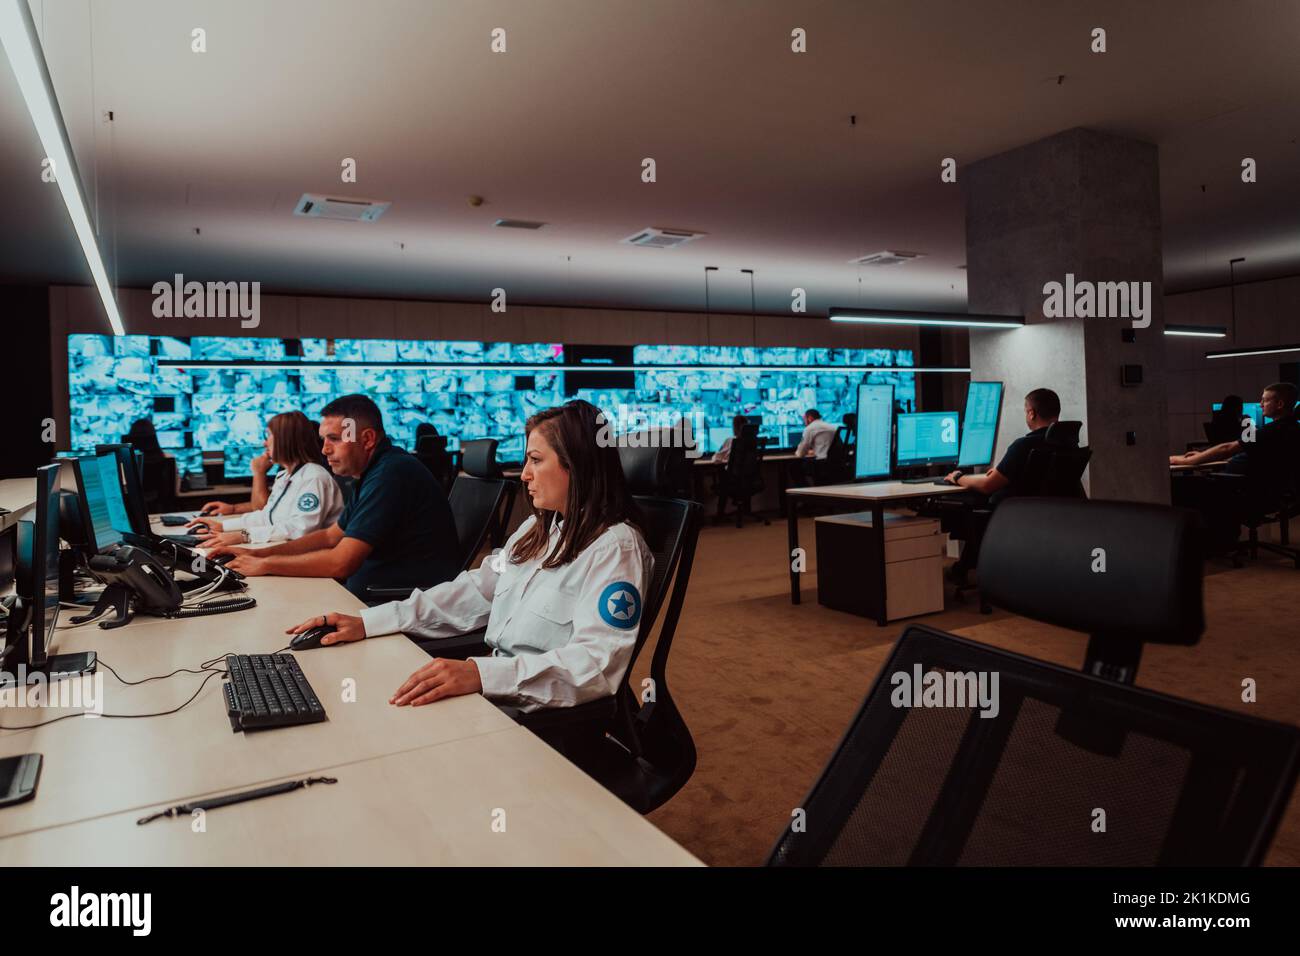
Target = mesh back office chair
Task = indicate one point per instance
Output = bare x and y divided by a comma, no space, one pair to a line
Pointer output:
1179,783
642,751
742,478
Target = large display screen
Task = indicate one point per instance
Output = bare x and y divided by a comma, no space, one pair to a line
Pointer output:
216,394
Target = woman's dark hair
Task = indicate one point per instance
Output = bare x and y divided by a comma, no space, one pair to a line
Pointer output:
598,495
737,423
1231,406
296,442
143,438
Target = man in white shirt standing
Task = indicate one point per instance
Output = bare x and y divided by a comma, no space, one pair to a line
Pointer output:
817,436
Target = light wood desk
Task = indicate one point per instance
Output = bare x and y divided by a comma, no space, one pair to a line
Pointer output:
411,808
432,806
875,496
16,496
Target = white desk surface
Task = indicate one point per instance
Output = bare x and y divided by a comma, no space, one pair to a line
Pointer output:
95,766
1204,466
874,491
97,769
434,806
17,494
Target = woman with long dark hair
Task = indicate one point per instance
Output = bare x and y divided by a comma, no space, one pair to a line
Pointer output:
303,497
561,601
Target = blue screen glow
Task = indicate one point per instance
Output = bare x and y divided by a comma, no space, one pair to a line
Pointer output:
216,394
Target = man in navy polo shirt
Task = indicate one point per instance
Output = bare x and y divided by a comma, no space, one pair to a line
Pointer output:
396,529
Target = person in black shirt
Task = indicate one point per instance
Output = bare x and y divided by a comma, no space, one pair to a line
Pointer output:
1042,409
1262,466
396,529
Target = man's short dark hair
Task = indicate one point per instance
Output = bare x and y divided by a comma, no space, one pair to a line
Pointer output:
1045,403
359,408
1285,391
813,414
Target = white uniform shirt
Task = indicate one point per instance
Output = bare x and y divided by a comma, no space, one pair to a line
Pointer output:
817,436
306,500
559,636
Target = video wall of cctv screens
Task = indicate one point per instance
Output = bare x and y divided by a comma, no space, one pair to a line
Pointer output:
217,393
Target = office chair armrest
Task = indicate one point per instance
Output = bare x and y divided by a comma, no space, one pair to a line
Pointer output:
559,718
376,595
458,648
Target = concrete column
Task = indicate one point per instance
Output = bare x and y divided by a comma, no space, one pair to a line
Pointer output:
1086,204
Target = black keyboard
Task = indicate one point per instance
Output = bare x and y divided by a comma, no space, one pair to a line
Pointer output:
189,540
268,690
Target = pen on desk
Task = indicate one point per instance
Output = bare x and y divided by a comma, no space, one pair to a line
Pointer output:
241,797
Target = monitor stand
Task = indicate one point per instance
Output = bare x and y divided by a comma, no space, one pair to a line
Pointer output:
56,667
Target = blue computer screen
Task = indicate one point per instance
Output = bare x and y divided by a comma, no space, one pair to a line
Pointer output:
927,437
1253,409
979,433
201,398
102,488
875,431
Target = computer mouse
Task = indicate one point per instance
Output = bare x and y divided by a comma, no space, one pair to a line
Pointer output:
222,558
207,511
311,637
200,527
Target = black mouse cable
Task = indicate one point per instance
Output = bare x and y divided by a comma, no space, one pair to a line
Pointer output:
161,713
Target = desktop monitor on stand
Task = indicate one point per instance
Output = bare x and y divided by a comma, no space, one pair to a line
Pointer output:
36,612
875,431
129,470
979,434
927,438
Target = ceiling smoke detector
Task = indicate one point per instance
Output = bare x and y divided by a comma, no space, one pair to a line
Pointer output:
887,258
518,224
331,207
661,238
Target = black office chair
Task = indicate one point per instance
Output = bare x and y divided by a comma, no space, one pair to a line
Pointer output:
742,478
837,467
1053,470
476,503
639,749
1179,783
478,456
431,450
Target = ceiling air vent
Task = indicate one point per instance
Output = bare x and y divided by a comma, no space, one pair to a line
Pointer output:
332,207
518,224
887,258
661,238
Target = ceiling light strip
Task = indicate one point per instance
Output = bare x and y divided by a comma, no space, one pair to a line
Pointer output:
18,34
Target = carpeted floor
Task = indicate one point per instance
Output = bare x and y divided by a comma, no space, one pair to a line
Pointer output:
768,688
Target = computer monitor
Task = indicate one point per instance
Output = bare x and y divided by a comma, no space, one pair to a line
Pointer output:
927,438
1252,409
103,509
875,431
35,614
129,466
979,433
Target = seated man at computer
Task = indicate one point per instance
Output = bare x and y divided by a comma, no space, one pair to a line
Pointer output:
1042,409
1266,463
396,529
1272,444
817,436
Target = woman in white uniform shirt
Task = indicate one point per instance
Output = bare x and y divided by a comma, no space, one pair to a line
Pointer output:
562,599
303,498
